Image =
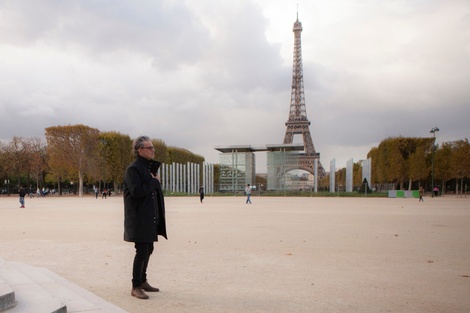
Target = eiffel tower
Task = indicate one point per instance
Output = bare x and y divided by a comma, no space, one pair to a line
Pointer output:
298,124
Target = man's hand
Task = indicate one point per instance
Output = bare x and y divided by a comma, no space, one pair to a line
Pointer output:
155,176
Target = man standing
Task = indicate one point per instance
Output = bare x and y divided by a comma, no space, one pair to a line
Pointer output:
248,194
144,212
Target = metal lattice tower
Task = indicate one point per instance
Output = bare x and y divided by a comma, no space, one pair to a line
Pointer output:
298,122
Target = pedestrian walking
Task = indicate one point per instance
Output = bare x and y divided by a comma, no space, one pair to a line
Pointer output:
421,193
201,193
248,194
22,194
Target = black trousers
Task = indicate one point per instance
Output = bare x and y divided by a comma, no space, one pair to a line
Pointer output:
143,250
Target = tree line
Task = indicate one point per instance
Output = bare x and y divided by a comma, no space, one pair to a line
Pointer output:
409,163
76,153
79,153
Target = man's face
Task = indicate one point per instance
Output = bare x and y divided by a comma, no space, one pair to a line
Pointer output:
147,151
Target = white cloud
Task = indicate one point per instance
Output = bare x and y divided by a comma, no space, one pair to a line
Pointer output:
207,73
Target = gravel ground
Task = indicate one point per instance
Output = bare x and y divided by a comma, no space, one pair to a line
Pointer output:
276,255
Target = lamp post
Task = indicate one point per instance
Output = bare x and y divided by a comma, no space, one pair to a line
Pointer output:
433,132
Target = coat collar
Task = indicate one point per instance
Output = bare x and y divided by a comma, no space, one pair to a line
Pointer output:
152,165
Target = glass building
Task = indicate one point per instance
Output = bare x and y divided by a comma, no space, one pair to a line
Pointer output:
238,165
237,168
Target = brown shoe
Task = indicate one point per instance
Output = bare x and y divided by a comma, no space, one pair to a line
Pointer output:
139,293
145,286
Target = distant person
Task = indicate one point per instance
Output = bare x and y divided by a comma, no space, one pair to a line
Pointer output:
201,193
436,191
144,212
22,194
248,194
421,194
104,193
96,193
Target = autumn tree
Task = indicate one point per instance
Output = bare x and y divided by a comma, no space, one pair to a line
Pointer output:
37,159
400,159
74,148
340,178
324,183
393,164
161,151
180,155
460,160
417,167
18,157
3,164
418,154
116,152
387,165
357,174
376,175
442,163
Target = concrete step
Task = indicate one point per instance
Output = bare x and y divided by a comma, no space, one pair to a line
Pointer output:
77,298
7,296
41,290
29,295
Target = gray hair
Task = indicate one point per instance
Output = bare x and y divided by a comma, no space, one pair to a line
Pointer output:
138,144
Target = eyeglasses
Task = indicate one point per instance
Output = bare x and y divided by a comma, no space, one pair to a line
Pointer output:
150,148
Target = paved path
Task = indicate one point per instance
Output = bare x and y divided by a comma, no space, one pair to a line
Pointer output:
277,255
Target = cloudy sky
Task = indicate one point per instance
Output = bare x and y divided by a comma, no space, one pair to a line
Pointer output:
206,73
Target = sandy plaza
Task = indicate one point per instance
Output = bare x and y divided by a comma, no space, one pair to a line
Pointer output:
279,254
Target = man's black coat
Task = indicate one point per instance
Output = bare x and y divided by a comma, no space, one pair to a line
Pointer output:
144,206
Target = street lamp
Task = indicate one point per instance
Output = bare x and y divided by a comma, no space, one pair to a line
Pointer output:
433,131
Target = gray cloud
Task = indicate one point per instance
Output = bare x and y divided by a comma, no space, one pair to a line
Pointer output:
207,73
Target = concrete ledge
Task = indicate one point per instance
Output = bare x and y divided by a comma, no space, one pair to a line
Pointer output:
24,288
7,296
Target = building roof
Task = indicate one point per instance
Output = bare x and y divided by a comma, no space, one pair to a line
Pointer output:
286,147
269,147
